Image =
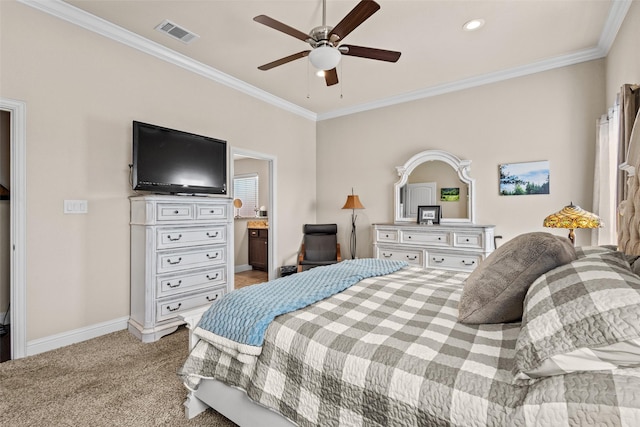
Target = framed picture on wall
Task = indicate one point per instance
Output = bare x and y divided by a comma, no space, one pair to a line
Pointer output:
429,214
524,178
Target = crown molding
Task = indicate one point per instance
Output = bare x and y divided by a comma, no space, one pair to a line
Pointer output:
471,82
74,15
614,21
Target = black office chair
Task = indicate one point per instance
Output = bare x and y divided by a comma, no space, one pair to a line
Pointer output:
319,246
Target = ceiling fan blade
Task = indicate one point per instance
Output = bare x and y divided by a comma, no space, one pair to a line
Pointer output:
331,77
277,25
357,16
284,60
369,52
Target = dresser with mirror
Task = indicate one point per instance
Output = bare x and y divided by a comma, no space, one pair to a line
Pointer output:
440,180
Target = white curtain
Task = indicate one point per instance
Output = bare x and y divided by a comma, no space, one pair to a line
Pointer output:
605,177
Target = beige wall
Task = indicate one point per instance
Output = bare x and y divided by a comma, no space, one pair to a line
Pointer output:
547,116
82,92
623,61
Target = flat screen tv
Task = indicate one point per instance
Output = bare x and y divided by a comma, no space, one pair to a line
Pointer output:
176,162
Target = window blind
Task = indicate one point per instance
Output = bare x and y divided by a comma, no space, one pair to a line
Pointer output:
245,188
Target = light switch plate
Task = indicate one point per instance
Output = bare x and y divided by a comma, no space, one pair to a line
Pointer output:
76,206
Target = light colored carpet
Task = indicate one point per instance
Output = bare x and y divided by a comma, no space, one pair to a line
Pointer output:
113,380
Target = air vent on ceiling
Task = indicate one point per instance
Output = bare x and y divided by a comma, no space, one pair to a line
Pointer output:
176,31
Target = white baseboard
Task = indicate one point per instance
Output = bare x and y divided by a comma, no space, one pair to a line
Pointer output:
241,268
52,342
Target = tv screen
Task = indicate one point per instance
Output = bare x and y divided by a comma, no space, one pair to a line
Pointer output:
176,162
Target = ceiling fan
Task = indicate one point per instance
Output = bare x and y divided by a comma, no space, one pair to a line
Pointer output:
324,40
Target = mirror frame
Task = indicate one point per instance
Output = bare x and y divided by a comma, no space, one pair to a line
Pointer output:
462,167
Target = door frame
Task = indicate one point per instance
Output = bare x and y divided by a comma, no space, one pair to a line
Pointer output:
272,207
18,224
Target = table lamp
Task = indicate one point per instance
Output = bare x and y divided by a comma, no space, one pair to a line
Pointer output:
237,203
573,217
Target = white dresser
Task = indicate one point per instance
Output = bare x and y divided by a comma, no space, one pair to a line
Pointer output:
181,259
450,246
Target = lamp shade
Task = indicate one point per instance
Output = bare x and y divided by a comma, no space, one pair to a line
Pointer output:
325,57
573,216
237,203
353,202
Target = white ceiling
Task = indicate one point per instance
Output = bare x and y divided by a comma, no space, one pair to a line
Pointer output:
519,37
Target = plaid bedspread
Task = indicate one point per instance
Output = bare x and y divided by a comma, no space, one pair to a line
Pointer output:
389,352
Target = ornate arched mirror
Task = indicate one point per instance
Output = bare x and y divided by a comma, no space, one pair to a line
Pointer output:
435,177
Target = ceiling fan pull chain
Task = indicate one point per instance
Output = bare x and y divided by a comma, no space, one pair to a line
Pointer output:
308,96
341,66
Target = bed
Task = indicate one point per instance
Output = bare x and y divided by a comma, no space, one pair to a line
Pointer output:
541,334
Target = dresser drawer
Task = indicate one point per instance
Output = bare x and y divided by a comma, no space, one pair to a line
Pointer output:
468,240
387,236
170,309
190,282
174,212
176,261
431,238
204,211
198,236
413,257
455,262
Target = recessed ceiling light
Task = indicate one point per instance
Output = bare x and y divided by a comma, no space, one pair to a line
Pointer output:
472,25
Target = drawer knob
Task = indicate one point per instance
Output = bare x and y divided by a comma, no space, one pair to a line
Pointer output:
174,309
412,258
387,255
174,262
214,277
212,299
176,212
169,284
438,260
468,263
214,256
212,211
174,239
409,237
439,238
467,240
212,235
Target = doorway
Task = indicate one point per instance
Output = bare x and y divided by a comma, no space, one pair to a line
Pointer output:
270,162
17,123
5,254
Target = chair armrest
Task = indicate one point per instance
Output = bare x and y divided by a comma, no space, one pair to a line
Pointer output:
339,257
300,257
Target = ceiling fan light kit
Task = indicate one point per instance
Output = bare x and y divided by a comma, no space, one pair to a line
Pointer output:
325,52
325,57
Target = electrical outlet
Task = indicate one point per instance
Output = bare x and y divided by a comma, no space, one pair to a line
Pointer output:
76,206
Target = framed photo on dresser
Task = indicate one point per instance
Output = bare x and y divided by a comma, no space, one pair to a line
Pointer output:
429,214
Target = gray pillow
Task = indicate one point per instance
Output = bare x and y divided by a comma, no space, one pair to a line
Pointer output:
582,316
494,292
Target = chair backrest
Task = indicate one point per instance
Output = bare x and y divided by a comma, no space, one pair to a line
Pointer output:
320,242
